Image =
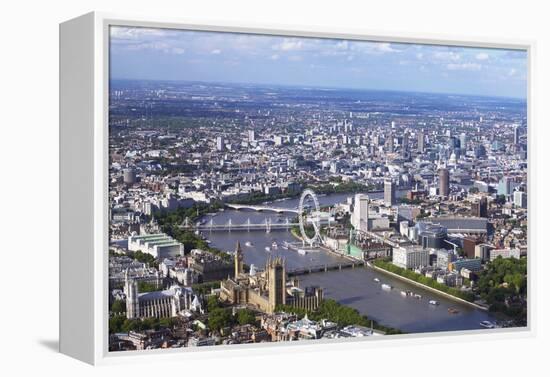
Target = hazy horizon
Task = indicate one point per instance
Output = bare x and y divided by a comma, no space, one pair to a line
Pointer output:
304,87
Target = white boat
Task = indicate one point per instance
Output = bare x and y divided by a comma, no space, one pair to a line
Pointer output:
417,296
487,324
285,245
376,280
248,243
387,286
268,249
433,302
403,293
302,252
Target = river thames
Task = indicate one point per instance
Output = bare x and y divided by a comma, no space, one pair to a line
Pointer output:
352,287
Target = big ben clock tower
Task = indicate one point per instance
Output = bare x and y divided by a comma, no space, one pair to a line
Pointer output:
238,260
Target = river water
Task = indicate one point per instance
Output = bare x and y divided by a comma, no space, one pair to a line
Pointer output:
352,287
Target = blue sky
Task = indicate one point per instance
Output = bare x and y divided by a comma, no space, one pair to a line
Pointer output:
165,54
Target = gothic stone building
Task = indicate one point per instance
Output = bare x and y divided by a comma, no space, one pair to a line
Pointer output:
267,289
167,303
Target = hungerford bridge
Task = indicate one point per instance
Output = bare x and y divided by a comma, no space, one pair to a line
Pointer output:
267,225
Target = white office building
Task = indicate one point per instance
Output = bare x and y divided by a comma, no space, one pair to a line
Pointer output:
520,199
158,245
504,253
220,143
410,257
360,217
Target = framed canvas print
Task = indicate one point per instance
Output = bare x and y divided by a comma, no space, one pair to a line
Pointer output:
243,188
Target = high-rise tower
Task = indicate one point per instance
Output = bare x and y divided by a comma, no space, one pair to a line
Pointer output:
444,182
276,282
421,141
361,212
132,301
238,260
516,134
389,193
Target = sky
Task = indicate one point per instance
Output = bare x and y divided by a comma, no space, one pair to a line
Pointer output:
169,54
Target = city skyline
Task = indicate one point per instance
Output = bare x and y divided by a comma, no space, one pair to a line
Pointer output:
283,211
180,55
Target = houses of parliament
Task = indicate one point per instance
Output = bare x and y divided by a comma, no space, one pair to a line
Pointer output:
268,289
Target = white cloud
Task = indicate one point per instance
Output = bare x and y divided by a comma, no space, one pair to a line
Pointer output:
384,47
216,51
342,45
419,55
155,46
289,44
372,48
274,57
447,55
482,56
512,72
464,67
120,32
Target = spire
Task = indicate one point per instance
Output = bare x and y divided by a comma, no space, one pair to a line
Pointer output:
238,260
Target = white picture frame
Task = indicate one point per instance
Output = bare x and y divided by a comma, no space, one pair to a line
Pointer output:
84,67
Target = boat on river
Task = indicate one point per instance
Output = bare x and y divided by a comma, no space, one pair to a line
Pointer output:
268,249
433,302
387,287
376,280
453,310
248,243
488,324
417,296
